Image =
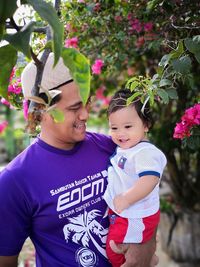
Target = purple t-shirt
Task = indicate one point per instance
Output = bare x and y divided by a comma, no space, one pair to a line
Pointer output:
55,197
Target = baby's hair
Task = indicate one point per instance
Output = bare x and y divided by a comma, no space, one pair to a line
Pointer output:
119,101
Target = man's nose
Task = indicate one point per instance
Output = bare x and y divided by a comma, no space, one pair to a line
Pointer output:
84,113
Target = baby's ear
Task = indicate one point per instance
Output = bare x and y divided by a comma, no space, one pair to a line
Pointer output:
146,129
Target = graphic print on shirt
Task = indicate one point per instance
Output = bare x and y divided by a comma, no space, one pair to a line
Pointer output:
82,228
121,162
86,258
80,204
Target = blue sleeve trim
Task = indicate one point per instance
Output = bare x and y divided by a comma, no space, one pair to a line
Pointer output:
149,173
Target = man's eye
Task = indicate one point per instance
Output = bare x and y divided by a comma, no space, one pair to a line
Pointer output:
128,126
74,108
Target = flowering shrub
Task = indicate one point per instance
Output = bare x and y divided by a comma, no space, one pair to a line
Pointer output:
189,127
15,96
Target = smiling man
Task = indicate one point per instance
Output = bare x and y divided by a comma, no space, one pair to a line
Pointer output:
52,191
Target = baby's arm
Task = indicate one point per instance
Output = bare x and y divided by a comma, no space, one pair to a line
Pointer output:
141,189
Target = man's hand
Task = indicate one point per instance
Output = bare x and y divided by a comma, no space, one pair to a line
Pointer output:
137,255
8,261
120,203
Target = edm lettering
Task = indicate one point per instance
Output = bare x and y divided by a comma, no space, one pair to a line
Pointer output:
77,195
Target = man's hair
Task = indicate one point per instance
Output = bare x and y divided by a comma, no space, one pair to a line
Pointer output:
119,101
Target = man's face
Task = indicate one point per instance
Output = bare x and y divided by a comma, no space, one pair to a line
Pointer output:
66,134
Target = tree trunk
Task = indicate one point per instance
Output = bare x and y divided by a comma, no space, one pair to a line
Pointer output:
180,237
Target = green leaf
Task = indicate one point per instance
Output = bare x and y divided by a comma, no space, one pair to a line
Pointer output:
193,45
152,4
131,98
48,13
172,93
79,68
133,85
193,142
57,115
165,82
182,65
37,99
163,95
8,56
21,39
178,52
164,61
7,9
197,56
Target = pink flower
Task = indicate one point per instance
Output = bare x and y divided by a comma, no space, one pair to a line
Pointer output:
25,109
3,126
100,96
102,101
181,130
81,1
118,19
130,71
97,7
148,26
73,42
190,119
192,115
5,102
140,42
97,66
129,17
99,92
68,27
15,88
12,74
136,25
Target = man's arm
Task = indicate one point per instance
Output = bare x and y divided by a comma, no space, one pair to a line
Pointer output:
8,261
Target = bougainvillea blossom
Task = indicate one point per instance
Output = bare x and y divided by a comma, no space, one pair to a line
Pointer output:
190,119
71,42
97,66
5,102
3,126
148,26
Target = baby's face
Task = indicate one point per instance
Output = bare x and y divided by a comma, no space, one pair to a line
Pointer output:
126,127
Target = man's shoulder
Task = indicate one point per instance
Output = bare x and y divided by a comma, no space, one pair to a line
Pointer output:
98,136
20,162
102,140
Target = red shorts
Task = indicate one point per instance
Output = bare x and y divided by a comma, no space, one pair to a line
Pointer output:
124,230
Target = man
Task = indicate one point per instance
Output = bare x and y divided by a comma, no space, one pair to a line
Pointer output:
52,192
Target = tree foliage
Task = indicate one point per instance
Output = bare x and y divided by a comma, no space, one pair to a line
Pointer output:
154,45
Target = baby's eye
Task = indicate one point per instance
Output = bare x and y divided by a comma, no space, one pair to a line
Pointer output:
113,128
128,126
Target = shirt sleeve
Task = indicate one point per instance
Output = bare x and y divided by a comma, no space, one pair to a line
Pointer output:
149,162
14,215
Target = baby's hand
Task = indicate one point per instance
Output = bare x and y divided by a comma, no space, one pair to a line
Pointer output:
120,203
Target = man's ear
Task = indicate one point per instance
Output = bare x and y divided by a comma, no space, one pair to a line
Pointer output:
45,116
